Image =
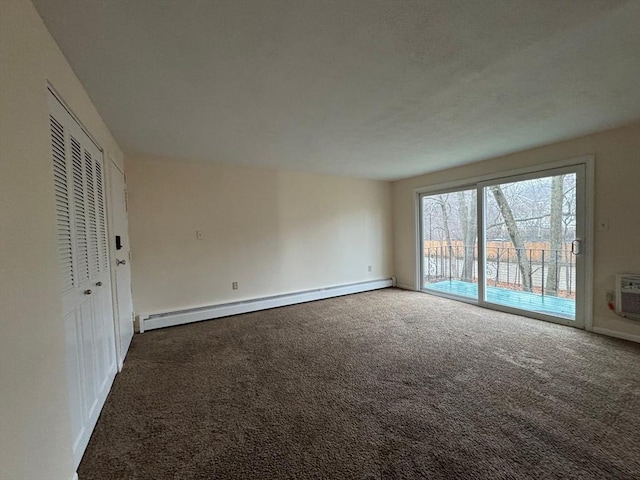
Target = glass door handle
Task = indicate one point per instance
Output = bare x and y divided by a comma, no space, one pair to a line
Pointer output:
576,247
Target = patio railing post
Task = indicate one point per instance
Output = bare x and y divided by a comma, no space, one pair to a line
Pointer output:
542,291
557,276
530,271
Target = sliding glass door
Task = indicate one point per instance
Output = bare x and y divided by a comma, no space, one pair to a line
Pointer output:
511,243
531,236
450,243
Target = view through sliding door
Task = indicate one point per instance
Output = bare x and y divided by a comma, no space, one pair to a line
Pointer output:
450,242
512,244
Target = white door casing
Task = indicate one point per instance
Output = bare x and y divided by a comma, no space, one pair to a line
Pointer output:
121,272
81,214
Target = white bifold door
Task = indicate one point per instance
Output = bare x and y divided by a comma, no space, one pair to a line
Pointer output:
80,189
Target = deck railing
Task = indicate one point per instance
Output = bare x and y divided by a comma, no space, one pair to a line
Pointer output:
542,266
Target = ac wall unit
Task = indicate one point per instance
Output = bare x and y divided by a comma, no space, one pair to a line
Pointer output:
628,295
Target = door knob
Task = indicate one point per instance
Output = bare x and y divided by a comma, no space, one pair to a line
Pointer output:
88,292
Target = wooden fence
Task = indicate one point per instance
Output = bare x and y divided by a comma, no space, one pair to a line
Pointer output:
506,250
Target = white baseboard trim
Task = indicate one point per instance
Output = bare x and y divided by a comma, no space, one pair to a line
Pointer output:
614,333
406,287
170,319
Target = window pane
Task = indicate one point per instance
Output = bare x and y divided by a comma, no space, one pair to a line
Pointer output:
530,225
450,237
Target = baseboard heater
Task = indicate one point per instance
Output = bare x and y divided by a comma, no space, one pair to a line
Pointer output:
180,317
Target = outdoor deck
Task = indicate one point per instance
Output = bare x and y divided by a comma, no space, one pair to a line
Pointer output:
560,307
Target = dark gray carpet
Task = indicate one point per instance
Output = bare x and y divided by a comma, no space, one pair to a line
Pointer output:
386,384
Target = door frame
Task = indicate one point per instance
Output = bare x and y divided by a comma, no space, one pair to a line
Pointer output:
121,352
533,171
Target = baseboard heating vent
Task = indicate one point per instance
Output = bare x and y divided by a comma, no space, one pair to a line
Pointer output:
628,295
197,314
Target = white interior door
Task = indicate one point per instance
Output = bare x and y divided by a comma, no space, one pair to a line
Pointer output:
119,243
80,188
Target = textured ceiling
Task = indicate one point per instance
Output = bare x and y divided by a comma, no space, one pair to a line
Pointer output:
376,89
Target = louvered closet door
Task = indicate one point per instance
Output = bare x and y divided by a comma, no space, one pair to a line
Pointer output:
79,180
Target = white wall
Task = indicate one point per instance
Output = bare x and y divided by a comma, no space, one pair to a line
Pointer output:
271,231
617,198
35,435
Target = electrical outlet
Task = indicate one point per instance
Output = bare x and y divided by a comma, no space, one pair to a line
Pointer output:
234,285
611,296
370,268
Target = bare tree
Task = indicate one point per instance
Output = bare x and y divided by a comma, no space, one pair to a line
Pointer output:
569,222
469,226
514,234
444,205
555,234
